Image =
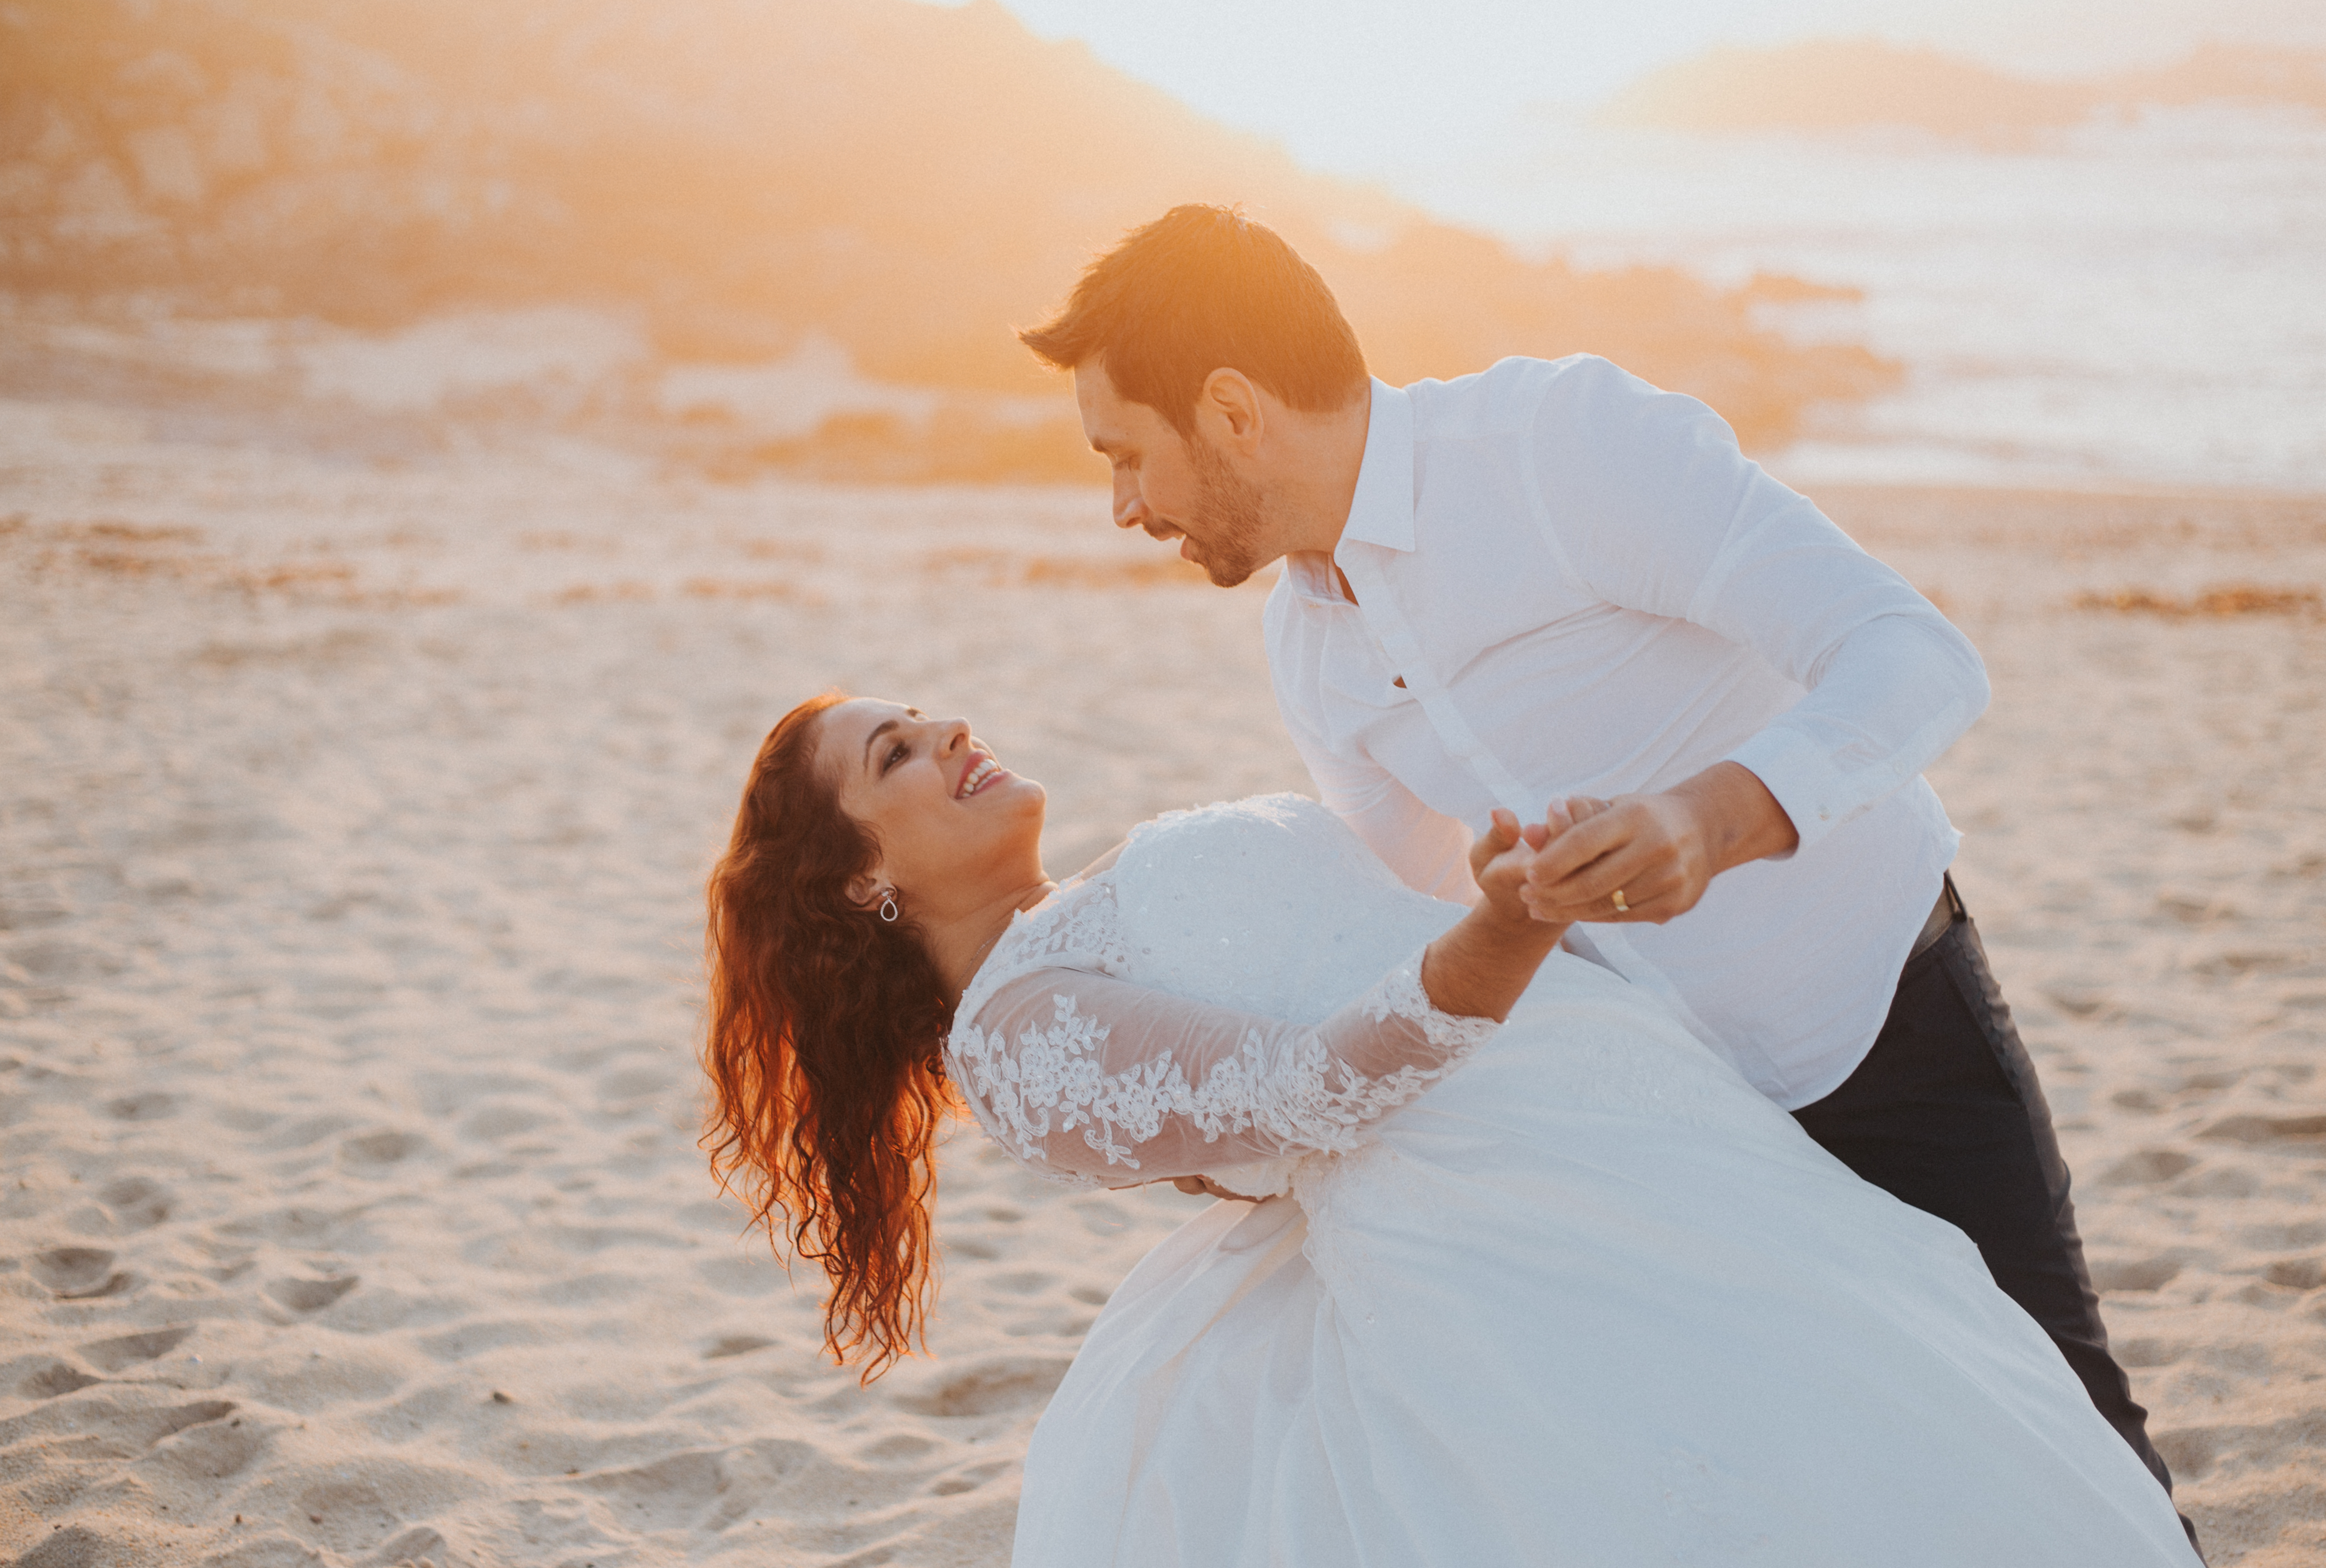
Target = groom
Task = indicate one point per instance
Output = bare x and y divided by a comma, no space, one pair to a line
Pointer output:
1551,581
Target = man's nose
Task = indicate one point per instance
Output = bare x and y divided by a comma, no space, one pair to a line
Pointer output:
1131,512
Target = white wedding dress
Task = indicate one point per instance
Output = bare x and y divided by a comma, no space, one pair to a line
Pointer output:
1563,1291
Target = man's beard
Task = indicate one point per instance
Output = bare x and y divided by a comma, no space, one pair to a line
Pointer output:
1228,506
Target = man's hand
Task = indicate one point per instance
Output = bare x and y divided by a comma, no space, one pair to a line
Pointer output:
1659,851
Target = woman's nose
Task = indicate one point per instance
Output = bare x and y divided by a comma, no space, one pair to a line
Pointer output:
955,734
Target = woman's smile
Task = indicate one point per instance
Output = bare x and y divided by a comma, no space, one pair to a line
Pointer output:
982,773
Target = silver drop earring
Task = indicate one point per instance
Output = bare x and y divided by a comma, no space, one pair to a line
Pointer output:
889,905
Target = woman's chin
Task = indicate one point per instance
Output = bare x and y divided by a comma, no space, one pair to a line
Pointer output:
1037,801
1011,797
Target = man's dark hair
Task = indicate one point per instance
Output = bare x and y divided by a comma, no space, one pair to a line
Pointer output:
1198,290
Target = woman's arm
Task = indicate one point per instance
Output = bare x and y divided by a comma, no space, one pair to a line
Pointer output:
1482,966
1100,1082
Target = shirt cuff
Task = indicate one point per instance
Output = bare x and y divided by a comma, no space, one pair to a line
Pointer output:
1802,777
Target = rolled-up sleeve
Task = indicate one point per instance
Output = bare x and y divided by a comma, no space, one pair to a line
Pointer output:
1661,512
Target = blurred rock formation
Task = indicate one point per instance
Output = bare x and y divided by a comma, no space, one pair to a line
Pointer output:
1847,85
739,179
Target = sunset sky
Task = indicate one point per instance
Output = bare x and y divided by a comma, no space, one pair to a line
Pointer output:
1365,87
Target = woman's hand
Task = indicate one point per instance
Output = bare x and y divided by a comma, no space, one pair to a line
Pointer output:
1504,860
1499,859
1197,1187
1478,969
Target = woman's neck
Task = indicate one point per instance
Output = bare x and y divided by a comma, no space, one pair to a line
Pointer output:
961,944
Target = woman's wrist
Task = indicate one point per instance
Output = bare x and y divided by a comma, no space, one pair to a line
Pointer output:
1479,968
1516,932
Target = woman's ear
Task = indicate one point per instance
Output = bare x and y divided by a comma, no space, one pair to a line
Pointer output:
865,891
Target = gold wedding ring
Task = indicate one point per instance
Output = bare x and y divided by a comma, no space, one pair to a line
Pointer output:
1621,907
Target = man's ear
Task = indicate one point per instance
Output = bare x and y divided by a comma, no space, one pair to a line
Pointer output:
1229,405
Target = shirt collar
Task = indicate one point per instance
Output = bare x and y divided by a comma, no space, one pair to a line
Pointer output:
1382,511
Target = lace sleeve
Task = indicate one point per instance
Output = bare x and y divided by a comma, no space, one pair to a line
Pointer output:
1101,1083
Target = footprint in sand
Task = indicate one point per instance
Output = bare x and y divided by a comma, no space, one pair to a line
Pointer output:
153,1105
50,1377
347,1515
2137,1274
2149,1352
70,1547
211,1451
736,1345
897,1447
671,1493
2267,1129
310,1295
135,1202
418,1547
2144,1166
2190,1451
371,1154
953,1483
1025,1282
78,1272
991,1387
118,1355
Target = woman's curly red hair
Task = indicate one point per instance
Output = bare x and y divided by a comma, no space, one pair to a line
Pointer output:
825,1024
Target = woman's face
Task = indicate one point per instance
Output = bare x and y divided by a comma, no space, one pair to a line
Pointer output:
952,824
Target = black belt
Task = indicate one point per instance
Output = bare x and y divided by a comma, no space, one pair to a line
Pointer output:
1942,918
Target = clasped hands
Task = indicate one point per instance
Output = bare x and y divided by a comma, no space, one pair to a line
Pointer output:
1500,861
1640,858
1659,851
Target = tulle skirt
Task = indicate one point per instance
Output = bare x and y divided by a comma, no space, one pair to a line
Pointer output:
1592,1301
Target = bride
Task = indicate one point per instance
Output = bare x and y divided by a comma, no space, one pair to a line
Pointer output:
1533,1277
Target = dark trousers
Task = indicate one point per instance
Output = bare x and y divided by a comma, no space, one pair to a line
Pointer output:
1945,1113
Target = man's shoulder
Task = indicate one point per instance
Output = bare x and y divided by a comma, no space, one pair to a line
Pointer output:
1514,393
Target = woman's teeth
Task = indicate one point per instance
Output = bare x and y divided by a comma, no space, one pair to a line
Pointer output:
984,770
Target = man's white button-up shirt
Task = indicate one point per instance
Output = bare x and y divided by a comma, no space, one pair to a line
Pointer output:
1568,582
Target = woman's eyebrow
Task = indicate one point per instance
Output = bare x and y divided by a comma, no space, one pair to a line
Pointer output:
882,729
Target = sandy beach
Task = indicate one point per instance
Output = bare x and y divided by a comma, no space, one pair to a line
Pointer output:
351,843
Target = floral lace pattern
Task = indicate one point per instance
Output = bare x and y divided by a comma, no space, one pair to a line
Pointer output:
1080,1072
1079,928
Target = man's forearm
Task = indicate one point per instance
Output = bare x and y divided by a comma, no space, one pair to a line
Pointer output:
1893,695
1741,820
